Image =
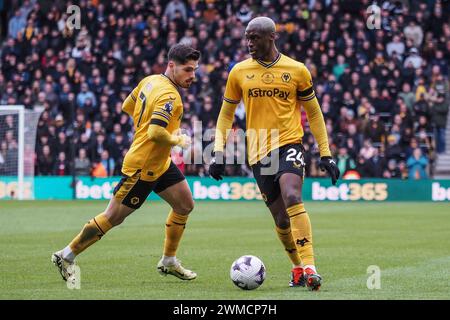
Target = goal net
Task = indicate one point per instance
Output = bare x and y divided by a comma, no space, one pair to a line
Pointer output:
17,149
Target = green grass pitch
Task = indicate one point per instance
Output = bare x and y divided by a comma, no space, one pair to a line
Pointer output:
409,242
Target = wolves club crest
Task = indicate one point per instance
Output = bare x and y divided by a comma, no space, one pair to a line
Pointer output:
286,77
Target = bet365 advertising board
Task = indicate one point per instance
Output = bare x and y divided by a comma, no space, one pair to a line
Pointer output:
237,189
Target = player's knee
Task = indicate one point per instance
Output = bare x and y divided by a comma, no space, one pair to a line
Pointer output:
116,220
115,217
282,222
292,198
185,208
281,219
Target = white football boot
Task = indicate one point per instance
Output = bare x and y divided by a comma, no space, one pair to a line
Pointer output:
65,268
176,270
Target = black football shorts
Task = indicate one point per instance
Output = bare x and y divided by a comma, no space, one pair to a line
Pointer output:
288,158
132,191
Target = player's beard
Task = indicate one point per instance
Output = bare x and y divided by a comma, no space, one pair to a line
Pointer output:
188,84
182,84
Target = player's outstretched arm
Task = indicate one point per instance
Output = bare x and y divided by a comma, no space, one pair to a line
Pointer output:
224,123
159,134
319,131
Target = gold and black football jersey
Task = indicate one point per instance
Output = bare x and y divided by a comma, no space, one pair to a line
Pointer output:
270,92
155,98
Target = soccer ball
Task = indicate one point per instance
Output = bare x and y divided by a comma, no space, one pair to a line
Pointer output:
248,272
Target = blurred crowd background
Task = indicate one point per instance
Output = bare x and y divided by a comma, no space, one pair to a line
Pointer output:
384,92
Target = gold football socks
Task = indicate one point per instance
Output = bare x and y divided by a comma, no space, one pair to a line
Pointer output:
301,231
91,233
287,239
175,225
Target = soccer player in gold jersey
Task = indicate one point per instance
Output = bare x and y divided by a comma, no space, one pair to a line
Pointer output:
273,87
156,108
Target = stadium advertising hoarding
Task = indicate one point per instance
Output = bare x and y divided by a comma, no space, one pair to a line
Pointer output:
241,189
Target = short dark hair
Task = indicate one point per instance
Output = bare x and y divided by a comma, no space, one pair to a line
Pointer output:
181,53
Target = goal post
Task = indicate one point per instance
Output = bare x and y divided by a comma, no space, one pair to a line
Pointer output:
18,128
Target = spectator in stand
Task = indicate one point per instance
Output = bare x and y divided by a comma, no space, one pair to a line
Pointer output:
378,163
16,24
107,162
414,33
367,151
3,151
86,98
82,164
414,59
344,161
384,104
417,164
99,146
62,165
10,168
364,167
62,144
173,7
403,169
46,162
421,107
439,112
392,171
339,67
397,46
98,169
375,132
393,149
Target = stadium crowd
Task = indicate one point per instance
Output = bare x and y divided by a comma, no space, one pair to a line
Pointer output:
384,91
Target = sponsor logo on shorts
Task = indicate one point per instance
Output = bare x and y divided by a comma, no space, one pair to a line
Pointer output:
297,165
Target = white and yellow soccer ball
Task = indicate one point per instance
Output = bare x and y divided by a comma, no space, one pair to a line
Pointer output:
248,272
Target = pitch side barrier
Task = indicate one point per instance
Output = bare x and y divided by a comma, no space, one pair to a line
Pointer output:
239,189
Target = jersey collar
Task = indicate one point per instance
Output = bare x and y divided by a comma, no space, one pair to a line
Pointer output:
173,83
268,65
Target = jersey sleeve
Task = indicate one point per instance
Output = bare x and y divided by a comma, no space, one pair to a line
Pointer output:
307,97
233,91
129,103
224,123
305,89
164,110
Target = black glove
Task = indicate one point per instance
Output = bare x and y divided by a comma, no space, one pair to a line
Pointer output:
217,170
328,164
